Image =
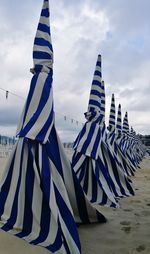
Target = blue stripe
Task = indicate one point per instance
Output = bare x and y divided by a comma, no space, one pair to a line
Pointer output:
119,120
41,135
43,42
44,97
94,103
97,73
112,117
104,152
13,216
31,91
98,63
129,186
111,122
80,136
95,92
96,143
41,55
112,110
67,218
102,109
101,169
45,186
89,137
116,175
94,188
102,94
82,172
45,13
44,28
118,126
53,152
56,244
96,83
80,200
29,184
103,102
5,187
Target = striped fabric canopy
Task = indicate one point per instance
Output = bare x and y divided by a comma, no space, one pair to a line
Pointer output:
122,138
126,144
119,120
38,116
34,200
112,160
126,164
114,138
41,199
103,99
111,126
86,163
94,101
96,156
109,156
125,128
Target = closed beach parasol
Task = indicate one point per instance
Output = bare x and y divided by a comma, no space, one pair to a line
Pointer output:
34,202
90,170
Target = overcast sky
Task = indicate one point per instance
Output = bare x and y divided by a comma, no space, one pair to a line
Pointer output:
118,30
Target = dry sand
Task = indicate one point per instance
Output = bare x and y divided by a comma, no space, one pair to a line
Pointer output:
127,230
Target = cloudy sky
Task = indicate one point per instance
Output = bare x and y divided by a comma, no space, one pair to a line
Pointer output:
118,30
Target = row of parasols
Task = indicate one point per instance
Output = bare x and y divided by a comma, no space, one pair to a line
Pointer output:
44,196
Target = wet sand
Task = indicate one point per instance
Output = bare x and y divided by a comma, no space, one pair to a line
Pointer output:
127,230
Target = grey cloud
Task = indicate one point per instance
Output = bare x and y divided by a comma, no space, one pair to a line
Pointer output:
9,116
119,30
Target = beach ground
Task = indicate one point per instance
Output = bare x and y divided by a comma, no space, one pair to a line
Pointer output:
127,230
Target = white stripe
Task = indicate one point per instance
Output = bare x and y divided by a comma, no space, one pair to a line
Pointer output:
44,35
91,145
41,120
13,184
44,20
45,5
96,78
89,169
36,97
79,163
42,49
53,220
71,244
95,98
96,88
36,205
21,196
98,68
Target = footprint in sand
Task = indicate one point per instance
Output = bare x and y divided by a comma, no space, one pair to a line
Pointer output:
137,214
140,248
126,229
148,204
125,223
127,210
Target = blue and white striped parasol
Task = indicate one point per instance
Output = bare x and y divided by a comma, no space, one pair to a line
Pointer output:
88,166
34,201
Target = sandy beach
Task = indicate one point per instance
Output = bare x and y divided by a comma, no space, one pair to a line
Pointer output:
127,230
